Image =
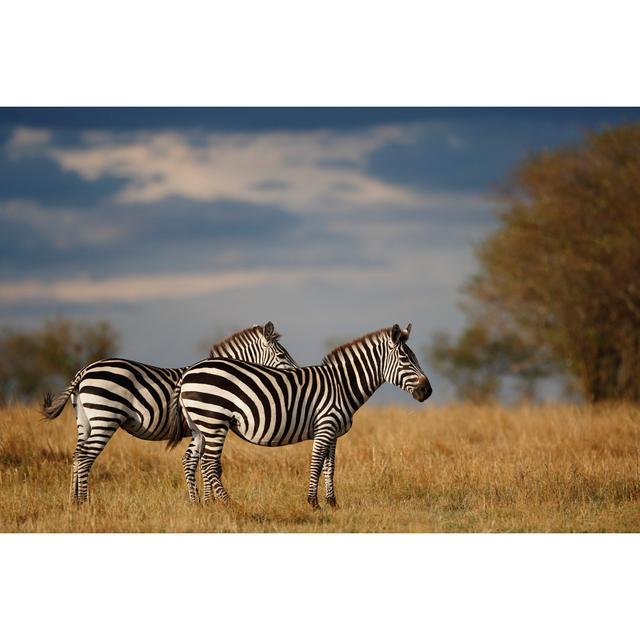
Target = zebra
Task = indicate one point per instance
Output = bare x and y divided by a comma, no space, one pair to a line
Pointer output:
116,393
275,408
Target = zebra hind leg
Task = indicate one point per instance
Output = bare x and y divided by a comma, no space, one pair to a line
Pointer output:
214,437
73,491
84,429
212,481
190,464
87,452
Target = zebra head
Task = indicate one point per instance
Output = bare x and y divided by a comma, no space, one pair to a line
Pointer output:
257,345
274,354
401,366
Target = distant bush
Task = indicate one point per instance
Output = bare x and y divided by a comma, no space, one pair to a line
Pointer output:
481,359
46,358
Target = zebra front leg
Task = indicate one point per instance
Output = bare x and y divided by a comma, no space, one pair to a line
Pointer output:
328,470
211,466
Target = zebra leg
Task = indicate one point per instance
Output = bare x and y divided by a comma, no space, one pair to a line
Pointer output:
84,429
328,470
211,465
192,456
318,454
190,464
83,434
87,453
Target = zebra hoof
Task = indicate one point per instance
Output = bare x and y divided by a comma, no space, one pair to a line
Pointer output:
222,500
314,503
332,503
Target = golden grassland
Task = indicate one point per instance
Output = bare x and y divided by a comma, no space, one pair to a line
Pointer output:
445,469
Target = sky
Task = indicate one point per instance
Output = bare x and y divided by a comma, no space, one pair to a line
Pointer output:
180,226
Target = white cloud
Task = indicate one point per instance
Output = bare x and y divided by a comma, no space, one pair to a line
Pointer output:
27,139
137,288
322,171
131,288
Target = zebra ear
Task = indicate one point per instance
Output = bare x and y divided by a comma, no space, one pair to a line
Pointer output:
396,332
268,331
406,333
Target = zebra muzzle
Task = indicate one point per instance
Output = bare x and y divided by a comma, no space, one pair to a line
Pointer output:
422,391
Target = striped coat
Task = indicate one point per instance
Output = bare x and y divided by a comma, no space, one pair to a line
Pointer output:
274,408
115,393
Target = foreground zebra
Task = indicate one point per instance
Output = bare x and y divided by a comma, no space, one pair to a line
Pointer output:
275,408
116,393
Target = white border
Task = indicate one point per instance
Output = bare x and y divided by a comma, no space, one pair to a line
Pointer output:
320,586
334,53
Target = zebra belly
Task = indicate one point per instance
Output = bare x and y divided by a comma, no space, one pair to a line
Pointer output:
278,435
143,432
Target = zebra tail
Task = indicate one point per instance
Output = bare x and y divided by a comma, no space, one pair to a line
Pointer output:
52,406
175,418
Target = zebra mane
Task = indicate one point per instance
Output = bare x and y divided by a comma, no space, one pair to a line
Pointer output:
237,334
332,355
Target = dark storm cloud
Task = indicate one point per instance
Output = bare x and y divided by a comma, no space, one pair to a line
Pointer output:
174,234
218,119
21,249
223,221
475,149
42,180
297,119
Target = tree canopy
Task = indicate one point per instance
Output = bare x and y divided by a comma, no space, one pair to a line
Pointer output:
562,271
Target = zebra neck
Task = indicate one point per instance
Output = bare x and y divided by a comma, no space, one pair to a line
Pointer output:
359,376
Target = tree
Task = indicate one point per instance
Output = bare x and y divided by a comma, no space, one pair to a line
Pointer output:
46,358
562,272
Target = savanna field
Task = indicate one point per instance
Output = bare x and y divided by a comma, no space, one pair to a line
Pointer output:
459,468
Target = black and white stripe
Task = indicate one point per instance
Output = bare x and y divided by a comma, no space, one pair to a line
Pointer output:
274,408
116,393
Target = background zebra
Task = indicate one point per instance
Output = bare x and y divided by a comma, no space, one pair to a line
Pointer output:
275,408
116,393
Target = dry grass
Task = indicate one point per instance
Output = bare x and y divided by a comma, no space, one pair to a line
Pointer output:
456,468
